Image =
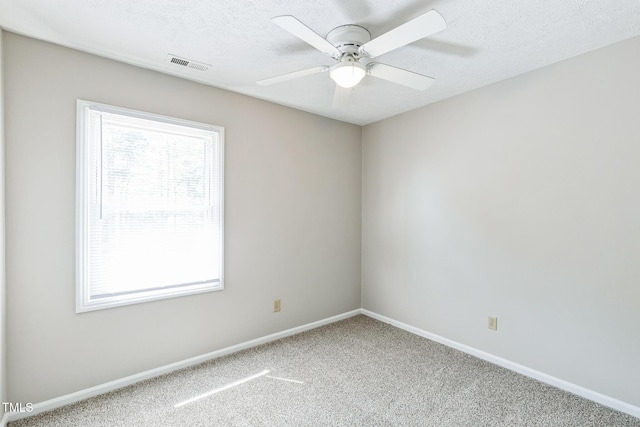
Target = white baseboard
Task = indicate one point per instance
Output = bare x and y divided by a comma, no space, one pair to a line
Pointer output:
532,373
68,399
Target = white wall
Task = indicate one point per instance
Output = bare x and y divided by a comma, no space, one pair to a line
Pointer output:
293,221
518,200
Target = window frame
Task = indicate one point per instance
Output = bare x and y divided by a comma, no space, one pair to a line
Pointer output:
83,302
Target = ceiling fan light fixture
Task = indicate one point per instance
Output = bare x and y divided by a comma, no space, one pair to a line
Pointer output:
347,74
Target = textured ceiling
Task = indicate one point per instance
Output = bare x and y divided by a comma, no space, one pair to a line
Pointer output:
485,42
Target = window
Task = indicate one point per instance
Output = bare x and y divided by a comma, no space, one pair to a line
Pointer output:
149,207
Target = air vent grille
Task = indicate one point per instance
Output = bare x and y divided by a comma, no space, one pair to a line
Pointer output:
187,63
198,66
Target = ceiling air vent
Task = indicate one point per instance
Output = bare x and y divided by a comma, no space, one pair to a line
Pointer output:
187,63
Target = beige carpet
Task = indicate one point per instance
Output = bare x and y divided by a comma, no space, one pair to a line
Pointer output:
357,372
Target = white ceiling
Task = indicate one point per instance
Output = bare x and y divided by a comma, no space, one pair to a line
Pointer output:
485,42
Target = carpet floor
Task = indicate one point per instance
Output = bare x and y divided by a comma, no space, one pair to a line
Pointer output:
356,372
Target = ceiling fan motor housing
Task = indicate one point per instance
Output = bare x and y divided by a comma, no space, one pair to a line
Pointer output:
348,38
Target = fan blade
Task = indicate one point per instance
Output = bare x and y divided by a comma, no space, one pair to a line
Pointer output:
424,25
341,97
298,29
398,75
293,75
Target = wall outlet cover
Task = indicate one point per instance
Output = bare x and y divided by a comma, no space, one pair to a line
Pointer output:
493,323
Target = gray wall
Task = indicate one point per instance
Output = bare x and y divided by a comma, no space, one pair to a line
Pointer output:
293,221
3,305
518,200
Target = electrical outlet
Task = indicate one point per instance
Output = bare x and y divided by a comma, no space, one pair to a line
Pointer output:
493,323
276,305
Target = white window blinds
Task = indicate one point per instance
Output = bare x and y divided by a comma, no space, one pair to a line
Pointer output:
152,206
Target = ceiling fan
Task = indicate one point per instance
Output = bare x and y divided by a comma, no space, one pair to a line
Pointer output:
351,46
